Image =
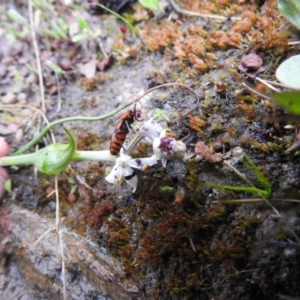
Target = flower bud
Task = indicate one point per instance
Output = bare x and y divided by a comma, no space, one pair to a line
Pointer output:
166,147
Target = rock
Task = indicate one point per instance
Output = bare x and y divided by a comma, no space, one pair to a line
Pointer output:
23,60
3,70
7,60
65,64
35,269
18,87
53,90
9,98
32,78
24,71
22,97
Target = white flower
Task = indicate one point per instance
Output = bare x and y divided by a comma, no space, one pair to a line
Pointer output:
167,147
122,170
151,130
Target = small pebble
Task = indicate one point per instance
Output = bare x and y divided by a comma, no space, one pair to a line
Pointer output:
3,70
7,60
53,90
22,97
18,87
9,98
65,64
32,78
289,253
19,135
24,71
23,60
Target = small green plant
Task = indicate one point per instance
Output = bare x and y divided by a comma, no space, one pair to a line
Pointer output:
264,192
150,4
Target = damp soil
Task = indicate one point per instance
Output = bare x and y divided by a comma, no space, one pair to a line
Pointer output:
173,238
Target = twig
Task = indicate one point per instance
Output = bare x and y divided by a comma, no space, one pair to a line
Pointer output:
58,94
253,90
256,200
281,85
243,176
185,12
59,236
293,43
43,235
37,55
192,244
12,108
267,84
102,48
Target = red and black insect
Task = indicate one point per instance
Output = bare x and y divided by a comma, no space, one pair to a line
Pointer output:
122,129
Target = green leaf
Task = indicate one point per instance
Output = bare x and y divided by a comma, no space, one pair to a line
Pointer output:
288,72
71,180
59,31
291,10
57,69
51,33
150,4
63,24
31,68
290,100
7,118
160,115
54,158
79,37
10,28
131,27
249,164
166,189
7,185
15,16
82,22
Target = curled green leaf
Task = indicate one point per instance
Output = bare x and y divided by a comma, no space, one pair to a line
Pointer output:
54,158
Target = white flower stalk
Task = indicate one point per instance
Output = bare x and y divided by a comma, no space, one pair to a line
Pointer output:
123,169
149,130
167,147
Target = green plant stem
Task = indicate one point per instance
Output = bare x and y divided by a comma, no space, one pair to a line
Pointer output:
30,159
25,159
131,27
103,155
99,118
257,200
62,121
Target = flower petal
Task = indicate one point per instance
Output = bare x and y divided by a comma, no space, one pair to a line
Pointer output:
151,130
132,181
139,163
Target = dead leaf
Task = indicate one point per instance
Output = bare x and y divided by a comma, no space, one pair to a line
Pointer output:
88,69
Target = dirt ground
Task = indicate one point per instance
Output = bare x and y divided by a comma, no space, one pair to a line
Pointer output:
173,238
